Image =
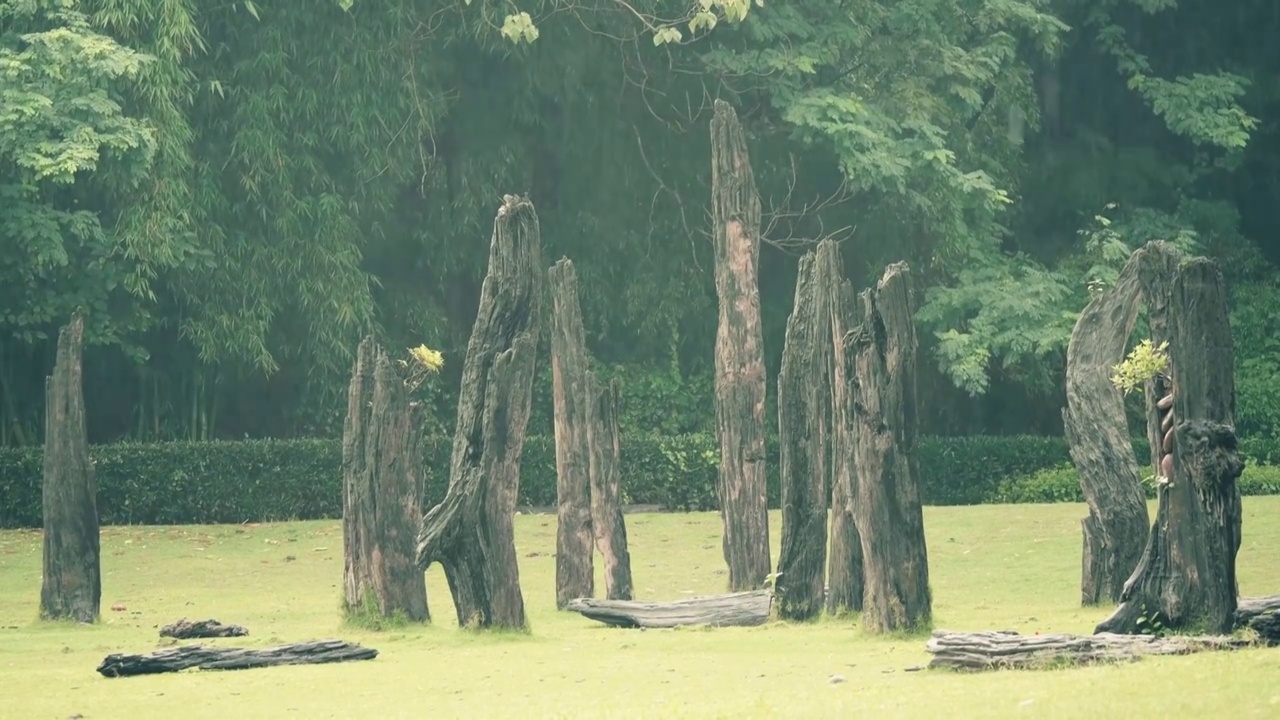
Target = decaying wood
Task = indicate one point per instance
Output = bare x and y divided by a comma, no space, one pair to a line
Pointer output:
72,572
223,658
1262,615
186,629
1094,421
736,609
845,573
739,355
571,389
606,495
1008,650
1186,577
470,533
803,406
890,518
382,486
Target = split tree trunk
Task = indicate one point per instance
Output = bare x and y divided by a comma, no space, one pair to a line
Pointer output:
1098,434
803,404
890,518
571,389
382,483
1186,578
740,376
845,574
606,502
471,533
72,585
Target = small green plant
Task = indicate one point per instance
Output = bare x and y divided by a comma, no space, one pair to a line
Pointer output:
1151,623
1143,363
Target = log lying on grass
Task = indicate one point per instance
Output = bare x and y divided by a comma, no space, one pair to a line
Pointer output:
185,629
994,649
1262,615
734,610
217,658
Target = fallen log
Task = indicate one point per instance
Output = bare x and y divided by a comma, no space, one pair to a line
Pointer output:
185,629
992,650
217,658
733,610
1262,615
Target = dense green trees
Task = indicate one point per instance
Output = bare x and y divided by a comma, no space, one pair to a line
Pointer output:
237,192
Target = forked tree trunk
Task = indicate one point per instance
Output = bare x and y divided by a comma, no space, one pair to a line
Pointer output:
845,576
382,480
890,518
803,404
606,501
1096,430
470,533
72,584
571,390
739,374
1186,578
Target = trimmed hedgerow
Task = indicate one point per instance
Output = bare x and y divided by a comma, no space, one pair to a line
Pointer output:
273,480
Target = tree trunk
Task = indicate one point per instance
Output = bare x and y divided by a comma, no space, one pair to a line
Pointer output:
606,503
571,388
470,533
224,658
739,357
1009,650
1098,434
1186,579
803,402
739,609
845,576
382,481
72,585
890,518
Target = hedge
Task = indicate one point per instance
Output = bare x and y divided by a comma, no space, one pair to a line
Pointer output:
273,480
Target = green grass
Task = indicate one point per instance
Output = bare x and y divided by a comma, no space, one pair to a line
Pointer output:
993,567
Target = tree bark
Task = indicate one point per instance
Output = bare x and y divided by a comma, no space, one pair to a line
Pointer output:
606,503
470,533
739,609
223,658
890,518
571,389
1098,435
803,404
739,356
845,574
72,584
1008,650
1186,578
383,483
186,629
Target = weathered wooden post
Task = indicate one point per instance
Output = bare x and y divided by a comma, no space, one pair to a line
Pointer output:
606,503
72,584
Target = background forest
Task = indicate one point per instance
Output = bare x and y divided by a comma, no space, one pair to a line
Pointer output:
237,192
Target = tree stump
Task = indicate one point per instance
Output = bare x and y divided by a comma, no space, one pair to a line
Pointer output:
606,503
1098,435
845,574
72,585
803,404
383,482
890,519
739,355
1186,578
470,532
571,390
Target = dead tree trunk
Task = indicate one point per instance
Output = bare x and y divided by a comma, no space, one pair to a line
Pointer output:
1096,430
606,504
382,483
470,533
803,400
1186,578
844,579
740,377
575,577
890,518
72,585
744,609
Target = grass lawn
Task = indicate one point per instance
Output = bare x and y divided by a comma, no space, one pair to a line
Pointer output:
992,567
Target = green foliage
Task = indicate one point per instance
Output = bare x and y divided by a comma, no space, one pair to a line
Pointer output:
1142,364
